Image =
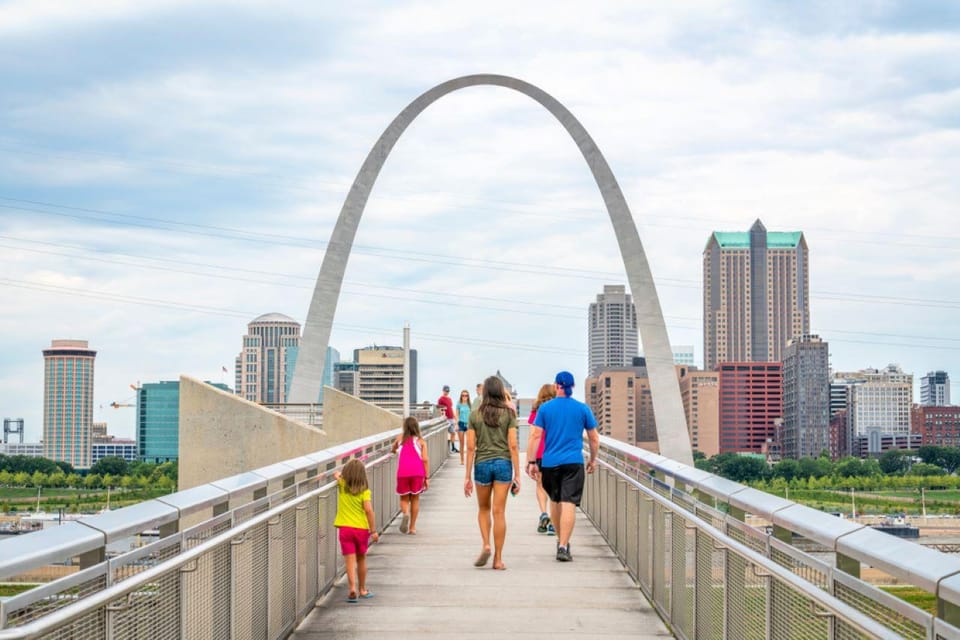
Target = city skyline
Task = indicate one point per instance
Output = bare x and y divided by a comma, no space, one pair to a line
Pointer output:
153,203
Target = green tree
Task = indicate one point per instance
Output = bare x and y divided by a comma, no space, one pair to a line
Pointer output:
948,458
896,461
166,484
21,479
57,479
870,469
65,466
924,469
93,481
745,469
38,479
849,467
6,478
787,469
112,465
815,467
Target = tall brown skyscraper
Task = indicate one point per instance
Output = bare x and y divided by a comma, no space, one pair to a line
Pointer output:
68,401
756,292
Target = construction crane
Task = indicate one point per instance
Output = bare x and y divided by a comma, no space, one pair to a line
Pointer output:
117,405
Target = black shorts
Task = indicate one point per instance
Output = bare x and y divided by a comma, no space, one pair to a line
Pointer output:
563,483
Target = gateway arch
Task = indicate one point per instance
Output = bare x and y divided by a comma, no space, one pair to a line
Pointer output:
664,388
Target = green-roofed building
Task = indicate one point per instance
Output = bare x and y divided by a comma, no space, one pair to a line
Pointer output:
743,322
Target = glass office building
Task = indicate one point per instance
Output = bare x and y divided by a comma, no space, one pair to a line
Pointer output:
158,420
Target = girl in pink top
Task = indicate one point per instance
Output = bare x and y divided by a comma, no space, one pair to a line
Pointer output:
547,392
412,468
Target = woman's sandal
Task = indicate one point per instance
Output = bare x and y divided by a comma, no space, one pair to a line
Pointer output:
352,598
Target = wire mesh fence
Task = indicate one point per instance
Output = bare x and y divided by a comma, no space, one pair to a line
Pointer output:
714,577
252,573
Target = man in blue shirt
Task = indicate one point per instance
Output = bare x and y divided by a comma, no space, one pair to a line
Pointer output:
561,422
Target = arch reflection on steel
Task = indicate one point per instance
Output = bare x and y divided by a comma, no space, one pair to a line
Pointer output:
664,388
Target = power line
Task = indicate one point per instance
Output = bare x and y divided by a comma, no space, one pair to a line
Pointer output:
445,302
220,311
433,258
153,302
341,188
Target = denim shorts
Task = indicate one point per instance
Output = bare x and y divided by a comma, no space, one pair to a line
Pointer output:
489,471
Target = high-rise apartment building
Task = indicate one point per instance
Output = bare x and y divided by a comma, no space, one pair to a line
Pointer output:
935,389
806,397
751,405
755,294
700,392
68,401
158,420
878,407
261,368
620,400
380,376
612,329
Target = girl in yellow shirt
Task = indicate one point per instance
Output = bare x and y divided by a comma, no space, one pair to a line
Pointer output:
355,525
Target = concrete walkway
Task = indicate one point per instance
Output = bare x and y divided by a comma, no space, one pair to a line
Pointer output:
426,586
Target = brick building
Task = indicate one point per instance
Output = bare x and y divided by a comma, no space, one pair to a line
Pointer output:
751,403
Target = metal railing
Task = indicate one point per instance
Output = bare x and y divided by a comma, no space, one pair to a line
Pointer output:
252,569
681,534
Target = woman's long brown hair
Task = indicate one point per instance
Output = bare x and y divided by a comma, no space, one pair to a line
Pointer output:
494,402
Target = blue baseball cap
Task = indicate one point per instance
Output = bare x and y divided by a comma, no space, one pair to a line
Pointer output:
564,379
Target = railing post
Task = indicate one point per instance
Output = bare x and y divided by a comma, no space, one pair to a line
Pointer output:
783,535
848,565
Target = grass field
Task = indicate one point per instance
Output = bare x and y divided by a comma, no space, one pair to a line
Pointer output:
18,494
917,597
877,502
13,588
14,499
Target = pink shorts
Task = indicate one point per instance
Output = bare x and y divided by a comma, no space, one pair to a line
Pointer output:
412,485
353,540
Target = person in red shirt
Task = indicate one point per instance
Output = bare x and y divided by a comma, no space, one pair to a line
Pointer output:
445,403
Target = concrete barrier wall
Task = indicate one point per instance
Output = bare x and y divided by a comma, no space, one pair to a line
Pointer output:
222,434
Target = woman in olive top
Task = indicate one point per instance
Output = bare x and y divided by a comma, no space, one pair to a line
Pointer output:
493,464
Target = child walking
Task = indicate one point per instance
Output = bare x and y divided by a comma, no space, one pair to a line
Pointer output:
355,525
412,468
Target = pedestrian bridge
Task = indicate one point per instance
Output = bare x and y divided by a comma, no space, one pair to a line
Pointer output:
660,550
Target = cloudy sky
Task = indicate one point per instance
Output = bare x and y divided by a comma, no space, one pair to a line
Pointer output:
170,170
